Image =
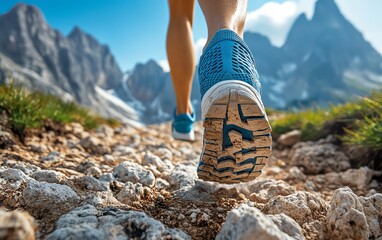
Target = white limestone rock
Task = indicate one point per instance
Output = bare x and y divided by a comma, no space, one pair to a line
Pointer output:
107,177
290,138
94,145
49,176
353,217
359,178
11,174
182,176
287,225
102,199
38,148
153,160
88,223
51,157
161,184
372,207
135,173
248,223
130,193
303,207
122,150
264,189
163,153
42,198
93,171
17,225
105,131
318,158
89,183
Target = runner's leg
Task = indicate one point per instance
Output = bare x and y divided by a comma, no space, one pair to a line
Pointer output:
180,51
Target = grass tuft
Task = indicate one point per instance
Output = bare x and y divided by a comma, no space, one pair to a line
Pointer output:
30,109
361,121
367,133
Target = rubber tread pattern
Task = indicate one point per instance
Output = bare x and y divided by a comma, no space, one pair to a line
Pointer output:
237,142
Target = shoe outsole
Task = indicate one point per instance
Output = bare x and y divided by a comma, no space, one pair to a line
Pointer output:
237,139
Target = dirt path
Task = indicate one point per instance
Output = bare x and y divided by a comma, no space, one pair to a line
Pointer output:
140,184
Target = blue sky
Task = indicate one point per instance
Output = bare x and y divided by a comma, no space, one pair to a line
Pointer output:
135,30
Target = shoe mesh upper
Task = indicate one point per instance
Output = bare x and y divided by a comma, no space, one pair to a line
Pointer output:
183,123
227,57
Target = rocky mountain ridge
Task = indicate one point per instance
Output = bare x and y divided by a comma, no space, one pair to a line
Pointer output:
76,68
149,89
324,60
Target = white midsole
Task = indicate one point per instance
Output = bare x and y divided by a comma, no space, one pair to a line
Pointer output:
183,136
223,88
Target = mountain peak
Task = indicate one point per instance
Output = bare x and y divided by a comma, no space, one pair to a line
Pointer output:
302,18
150,65
327,10
77,33
327,18
301,22
21,7
81,38
301,25
27,12
327,5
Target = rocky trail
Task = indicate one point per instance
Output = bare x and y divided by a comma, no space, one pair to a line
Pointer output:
62,182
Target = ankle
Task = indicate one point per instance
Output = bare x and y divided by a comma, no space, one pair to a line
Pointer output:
211,33
184,109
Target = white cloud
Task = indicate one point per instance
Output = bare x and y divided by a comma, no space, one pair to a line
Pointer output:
275,19
164,64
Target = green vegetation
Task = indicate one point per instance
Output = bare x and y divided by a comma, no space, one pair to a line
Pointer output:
29,109
361,120
368,133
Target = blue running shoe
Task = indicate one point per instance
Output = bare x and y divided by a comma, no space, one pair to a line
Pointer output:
237,135
183,126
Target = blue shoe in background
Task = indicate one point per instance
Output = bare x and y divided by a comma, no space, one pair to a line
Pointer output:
237,140
183,126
